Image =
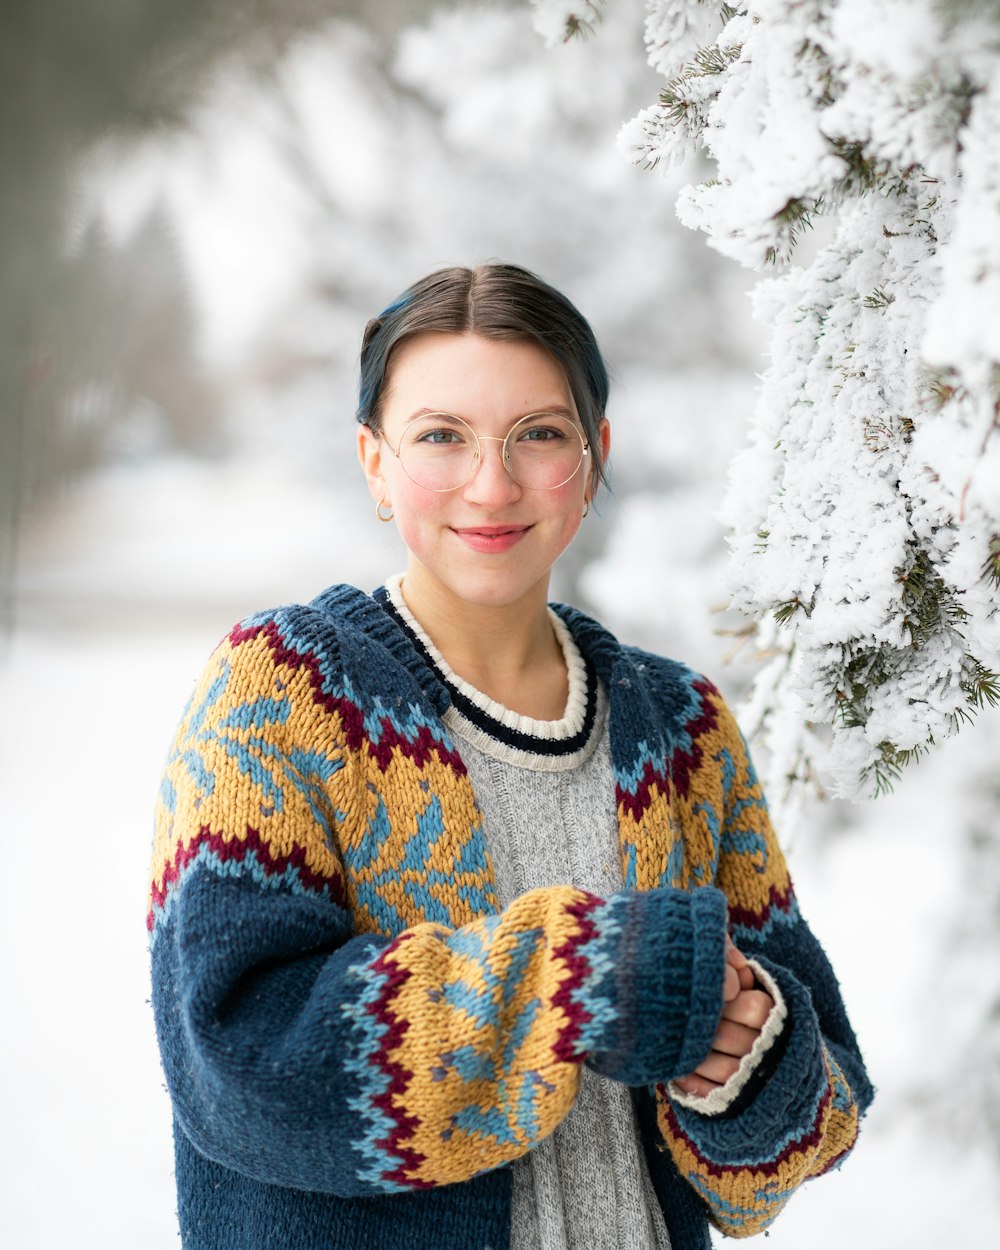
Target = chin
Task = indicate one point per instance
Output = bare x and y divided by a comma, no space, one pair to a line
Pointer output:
496,592
484,587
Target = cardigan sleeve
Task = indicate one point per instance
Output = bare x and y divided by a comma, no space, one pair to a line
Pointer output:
306,1049
798,1114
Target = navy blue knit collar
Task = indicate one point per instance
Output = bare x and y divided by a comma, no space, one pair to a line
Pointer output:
598,646
515,739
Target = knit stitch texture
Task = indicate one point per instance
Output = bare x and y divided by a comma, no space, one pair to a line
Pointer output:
357,1040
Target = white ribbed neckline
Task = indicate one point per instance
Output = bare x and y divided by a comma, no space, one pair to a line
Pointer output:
568,725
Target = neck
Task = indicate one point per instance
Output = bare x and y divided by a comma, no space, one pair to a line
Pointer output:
508,651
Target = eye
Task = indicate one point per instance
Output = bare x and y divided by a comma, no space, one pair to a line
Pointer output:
438,438
438,431
544,431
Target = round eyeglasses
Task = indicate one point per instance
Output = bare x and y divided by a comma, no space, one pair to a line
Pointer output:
440,452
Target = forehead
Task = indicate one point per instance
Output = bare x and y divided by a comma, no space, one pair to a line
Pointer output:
474,377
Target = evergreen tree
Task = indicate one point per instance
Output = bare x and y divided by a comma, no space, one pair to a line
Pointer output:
865,512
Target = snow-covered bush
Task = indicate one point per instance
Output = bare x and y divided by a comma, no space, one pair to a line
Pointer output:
865,512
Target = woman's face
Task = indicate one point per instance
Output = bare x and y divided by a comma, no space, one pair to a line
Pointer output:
490,542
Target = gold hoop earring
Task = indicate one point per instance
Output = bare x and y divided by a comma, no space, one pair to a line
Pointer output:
586,506
379,513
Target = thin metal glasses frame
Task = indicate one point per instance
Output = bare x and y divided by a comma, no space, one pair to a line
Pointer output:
479,439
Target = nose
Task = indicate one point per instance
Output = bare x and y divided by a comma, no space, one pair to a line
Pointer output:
491,484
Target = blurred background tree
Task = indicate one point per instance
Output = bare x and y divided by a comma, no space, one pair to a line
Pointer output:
92,337
347,149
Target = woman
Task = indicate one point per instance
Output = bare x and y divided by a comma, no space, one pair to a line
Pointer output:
469,928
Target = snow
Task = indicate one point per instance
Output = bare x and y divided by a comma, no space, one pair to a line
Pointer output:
881,896
963,327
863,510
128,579
557,20
85,1154
125,589
675,31
233,276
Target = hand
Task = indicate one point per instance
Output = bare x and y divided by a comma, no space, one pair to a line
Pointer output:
744,1011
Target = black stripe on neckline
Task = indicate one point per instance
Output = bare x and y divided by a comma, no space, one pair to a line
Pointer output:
482,720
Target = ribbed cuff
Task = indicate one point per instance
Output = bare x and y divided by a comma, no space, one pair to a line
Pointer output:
666,991
785,1106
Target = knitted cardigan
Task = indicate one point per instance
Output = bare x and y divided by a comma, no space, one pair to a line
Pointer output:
356,1040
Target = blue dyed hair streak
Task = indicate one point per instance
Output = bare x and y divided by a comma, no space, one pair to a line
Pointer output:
498,302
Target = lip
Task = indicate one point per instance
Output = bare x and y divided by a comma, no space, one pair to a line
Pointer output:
491,538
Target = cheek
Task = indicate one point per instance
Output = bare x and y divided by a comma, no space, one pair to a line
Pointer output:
568,500
567,510
417,511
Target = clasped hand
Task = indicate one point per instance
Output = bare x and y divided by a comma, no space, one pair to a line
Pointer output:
744,1012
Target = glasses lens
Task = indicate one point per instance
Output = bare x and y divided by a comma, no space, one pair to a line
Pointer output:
544,451
439,452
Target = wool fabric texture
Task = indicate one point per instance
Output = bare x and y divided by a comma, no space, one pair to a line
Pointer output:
357,1039
550,818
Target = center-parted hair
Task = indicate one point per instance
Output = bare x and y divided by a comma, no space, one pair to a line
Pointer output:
496,301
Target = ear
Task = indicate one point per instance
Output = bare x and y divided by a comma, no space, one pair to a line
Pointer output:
600,454
370,458
605,434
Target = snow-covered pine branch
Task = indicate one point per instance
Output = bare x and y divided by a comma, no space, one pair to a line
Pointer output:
865,512
559,20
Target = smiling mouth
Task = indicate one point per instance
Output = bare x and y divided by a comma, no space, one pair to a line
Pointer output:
494,539
492,531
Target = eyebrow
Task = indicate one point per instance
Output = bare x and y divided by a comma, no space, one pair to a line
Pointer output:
552,410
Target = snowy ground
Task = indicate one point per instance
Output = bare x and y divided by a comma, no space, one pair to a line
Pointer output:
129,581
120,603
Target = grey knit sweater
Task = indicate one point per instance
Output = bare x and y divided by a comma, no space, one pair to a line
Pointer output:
547,794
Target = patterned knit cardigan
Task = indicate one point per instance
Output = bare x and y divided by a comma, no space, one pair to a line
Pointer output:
356,1040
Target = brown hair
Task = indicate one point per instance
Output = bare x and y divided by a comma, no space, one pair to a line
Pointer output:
496,301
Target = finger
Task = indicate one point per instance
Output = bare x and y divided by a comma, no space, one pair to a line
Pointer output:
717,1067
734,1039
749,1007
730,985
734,955
696,1085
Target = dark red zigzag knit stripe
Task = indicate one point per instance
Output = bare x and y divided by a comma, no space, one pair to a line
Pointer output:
396,1028
635,804
233,850
352,717
579,966
777,900
808,1141
682,765
399,1076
